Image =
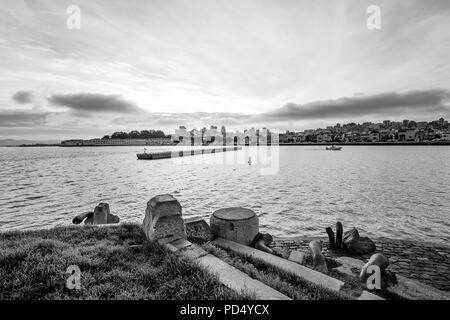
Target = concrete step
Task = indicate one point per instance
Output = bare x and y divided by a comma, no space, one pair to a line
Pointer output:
227,274
308,275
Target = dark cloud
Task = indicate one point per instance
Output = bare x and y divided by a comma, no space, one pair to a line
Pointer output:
14,118
23,97
392,104
85,103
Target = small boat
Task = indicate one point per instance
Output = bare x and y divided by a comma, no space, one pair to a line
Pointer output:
333,148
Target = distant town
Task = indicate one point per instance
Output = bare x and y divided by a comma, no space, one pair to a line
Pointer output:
388,132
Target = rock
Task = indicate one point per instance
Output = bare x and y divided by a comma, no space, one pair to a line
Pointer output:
261,242
319,262
297,256
163,219
113,218
79,218
236,224
101,215
378,260
356,245
265,237
197,230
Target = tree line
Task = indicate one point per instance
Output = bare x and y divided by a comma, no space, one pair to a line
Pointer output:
135,134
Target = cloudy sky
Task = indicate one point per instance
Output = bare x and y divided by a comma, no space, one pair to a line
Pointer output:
150,64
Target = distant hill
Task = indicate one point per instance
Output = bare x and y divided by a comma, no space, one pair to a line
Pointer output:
15,142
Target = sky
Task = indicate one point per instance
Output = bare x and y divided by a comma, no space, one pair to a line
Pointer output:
288,64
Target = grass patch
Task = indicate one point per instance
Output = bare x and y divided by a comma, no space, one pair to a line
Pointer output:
33,265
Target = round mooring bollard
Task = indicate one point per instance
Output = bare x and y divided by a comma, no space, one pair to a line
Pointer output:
236,224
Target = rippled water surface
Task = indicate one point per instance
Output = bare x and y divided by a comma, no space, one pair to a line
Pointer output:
397,192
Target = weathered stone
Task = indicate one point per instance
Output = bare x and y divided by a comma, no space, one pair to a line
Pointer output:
319,262
297,256
356,245
101,215
163,219
378,260
261,242
236,224
112,218
197,230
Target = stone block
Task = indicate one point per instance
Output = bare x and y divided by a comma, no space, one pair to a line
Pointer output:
197,230
236,224
356,245
238,280
297,256
163,219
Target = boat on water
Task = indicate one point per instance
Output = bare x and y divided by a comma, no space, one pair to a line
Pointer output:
333,148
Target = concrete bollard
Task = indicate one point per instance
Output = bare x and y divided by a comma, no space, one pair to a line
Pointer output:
319,262
101,215
376,259
236,224
163,219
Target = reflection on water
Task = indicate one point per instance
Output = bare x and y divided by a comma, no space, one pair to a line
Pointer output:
400,192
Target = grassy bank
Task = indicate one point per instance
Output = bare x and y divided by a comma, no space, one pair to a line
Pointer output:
33,265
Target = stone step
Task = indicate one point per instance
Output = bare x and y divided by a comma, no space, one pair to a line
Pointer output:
311,276
227,274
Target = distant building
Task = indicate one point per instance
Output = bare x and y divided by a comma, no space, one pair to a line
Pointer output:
116,142
180,134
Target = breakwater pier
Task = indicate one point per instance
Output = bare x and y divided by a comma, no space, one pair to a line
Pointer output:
183,153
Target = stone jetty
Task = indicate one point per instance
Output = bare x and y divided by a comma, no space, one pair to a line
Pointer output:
183,153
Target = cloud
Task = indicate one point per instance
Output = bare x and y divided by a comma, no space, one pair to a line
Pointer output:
390,103
175,119
84,103
28,118
23,97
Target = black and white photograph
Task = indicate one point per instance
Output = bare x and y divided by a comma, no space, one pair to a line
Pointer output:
220,155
